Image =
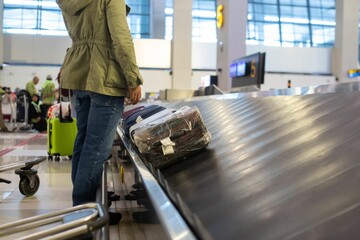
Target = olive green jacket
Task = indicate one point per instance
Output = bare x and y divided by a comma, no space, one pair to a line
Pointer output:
48,93
30,87
102,56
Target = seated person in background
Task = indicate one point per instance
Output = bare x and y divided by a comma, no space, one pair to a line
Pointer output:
3,128
35,116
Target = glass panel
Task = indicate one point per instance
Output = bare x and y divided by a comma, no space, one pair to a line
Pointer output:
299,20
263,13
52,20
204,20
301,35
20,18
204,30
168,27
169,19
329,35
263,1
267,33
293,2
293,12
139,18
44,17
169,3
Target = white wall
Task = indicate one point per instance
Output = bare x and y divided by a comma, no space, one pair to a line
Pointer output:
295,59
203,55
18,76
34,49
154,59
280,81
153,53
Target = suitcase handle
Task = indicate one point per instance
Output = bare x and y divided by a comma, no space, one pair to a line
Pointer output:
173,137
66,119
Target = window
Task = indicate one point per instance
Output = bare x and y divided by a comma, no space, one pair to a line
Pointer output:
43,17
169,11
33,17
203,20
291,22
270,22
139,18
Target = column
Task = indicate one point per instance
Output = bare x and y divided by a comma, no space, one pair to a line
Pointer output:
346,38
181,45
157,22
231,37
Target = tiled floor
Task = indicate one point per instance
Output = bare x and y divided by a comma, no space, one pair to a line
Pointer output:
55,187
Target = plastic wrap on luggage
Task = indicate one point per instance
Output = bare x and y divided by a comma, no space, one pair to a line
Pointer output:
171,138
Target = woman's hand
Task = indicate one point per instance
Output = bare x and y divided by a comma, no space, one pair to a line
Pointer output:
135,95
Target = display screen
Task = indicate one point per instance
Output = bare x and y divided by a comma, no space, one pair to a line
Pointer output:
248,70
238,69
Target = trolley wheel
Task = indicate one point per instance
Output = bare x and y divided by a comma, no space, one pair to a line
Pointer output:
57,158
50,157
29,185
70,157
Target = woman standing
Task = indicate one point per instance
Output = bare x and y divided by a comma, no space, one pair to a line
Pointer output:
101,70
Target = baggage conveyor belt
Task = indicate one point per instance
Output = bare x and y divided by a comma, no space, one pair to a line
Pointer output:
284,167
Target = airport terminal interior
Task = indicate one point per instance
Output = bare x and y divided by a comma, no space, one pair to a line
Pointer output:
247,129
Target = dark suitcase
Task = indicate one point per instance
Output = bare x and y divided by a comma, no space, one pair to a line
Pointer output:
138,115
126,114
172,137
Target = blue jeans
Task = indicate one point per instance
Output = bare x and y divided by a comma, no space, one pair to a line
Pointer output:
97,118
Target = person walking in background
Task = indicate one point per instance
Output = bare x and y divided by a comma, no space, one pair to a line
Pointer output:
48,95
101,69
31,86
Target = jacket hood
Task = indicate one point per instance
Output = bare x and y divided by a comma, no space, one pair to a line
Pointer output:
72,7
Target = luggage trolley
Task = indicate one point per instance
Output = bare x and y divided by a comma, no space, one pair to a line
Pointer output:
22,110
9,110
29,180
62,224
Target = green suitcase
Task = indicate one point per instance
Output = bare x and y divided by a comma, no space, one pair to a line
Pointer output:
61,137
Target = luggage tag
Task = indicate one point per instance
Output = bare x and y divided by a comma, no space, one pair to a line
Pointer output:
167,146
139,119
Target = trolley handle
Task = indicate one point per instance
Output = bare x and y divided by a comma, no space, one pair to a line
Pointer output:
30,164
101,221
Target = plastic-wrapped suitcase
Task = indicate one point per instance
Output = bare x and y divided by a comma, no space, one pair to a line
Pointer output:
61,136
172,137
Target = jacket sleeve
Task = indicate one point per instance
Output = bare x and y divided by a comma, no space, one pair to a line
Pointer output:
122,41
